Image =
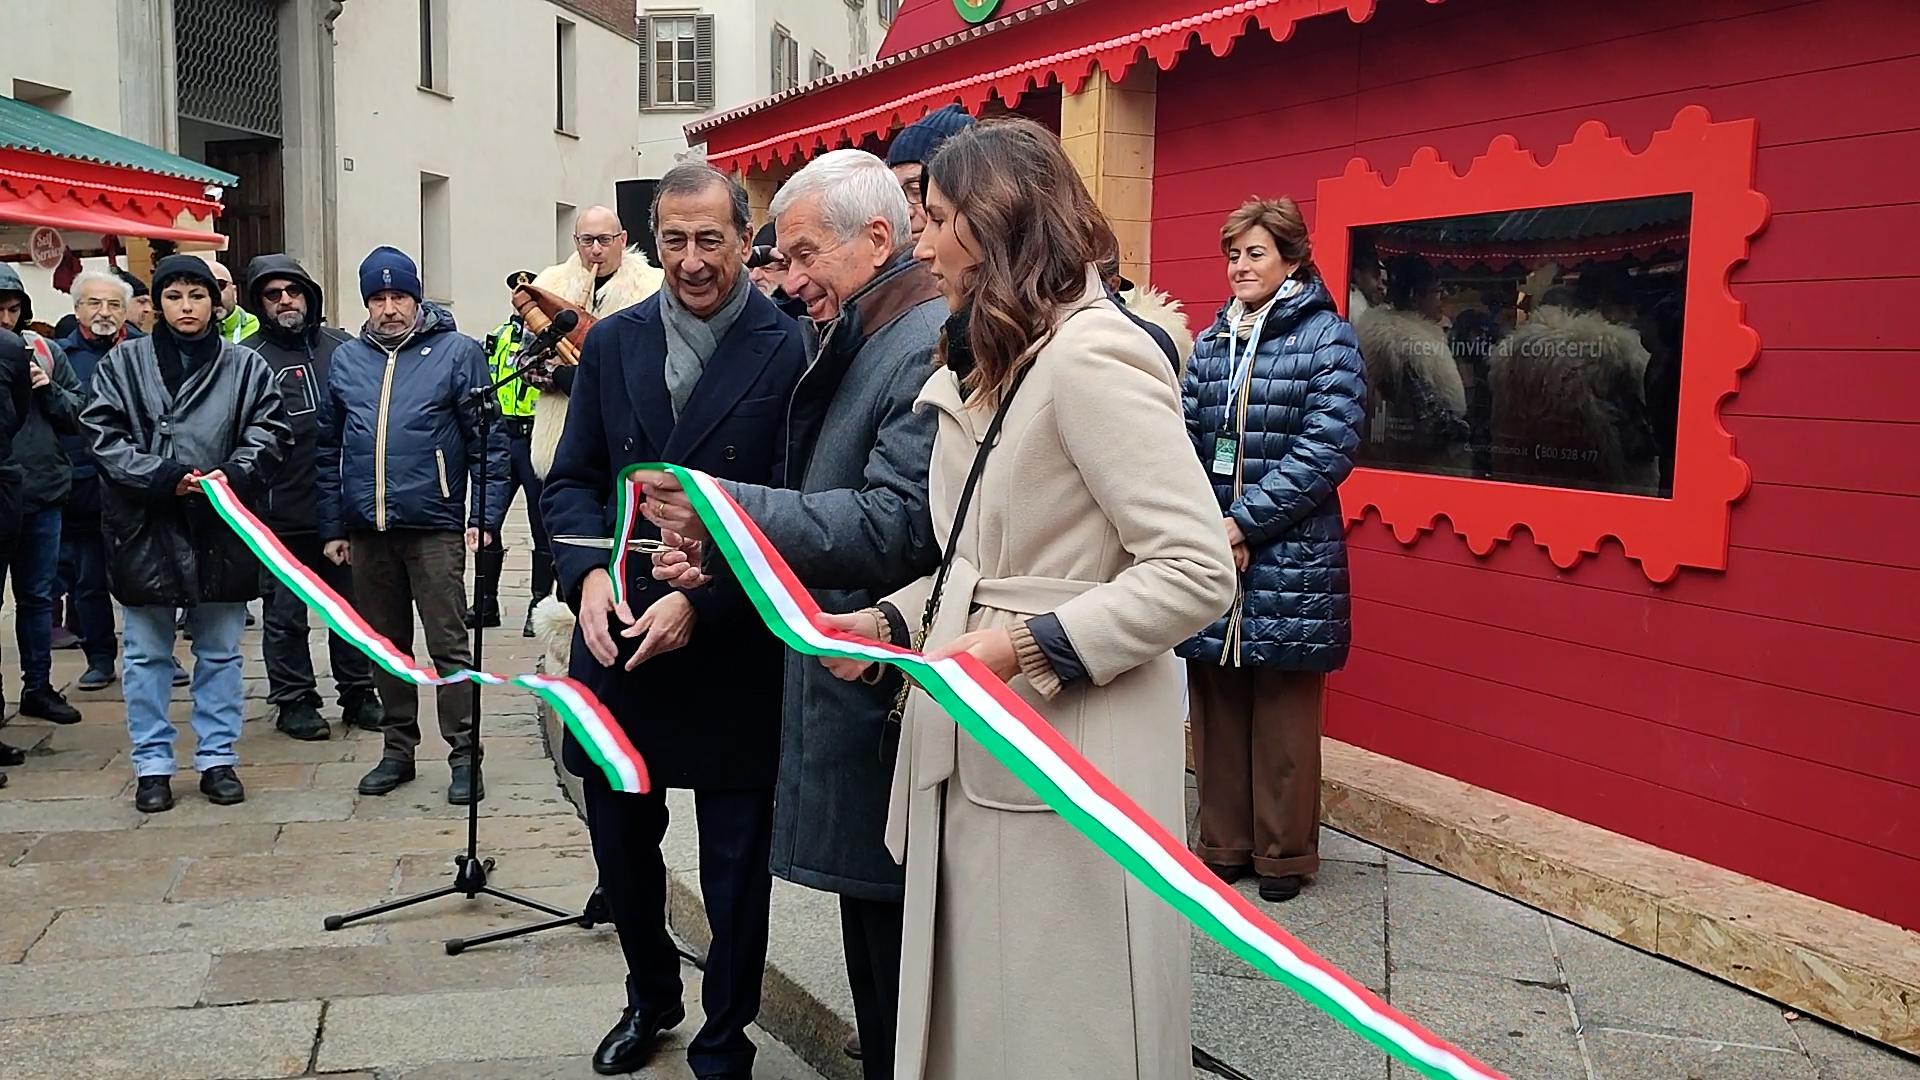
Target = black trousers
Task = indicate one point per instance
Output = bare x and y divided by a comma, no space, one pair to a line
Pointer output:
870,931
736,838
523,479
285,641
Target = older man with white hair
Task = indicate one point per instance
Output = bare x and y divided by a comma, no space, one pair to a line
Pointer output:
852,521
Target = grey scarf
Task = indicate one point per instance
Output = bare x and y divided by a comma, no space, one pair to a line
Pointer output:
692,341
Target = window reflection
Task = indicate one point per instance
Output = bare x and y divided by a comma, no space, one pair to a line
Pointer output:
1537,346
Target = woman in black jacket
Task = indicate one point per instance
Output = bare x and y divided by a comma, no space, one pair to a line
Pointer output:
1274,396
166,410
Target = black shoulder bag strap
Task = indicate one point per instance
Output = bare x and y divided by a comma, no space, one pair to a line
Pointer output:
966,501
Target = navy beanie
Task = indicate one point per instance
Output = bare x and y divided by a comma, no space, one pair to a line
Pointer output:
918,142
388,268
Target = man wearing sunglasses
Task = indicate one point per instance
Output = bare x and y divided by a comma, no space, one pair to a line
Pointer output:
299,349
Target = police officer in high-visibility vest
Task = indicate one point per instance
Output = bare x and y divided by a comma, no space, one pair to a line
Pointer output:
517,399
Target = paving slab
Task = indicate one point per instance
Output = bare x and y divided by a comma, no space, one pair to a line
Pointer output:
68,987
1624,1055
1266,1031
191,808
76,884
1519,1029
68,815
14,845
146,929
56,758
152,843
411,837
264,877
295,776
1340,846
1839,1055
1341,916
416,801
457,916
433,754
21,928
164,1044
1440,923
29,783
388,1032
1617,986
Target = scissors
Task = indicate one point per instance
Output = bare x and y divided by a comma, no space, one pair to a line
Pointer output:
605,543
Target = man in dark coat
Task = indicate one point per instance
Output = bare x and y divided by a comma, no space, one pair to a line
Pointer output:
854,527
698,374
403,465
102,300
53,411
296,343
15,392
166,409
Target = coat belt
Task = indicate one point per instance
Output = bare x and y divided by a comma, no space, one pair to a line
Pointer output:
1027,595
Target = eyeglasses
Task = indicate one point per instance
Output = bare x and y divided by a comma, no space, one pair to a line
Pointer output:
272,293
598,239
94,303
914,190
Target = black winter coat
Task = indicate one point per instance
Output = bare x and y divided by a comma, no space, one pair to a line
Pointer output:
53,414
706,715
170,550
402,449
15,389
1307,396
300,361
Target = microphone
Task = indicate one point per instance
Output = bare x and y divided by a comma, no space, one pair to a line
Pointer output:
544,341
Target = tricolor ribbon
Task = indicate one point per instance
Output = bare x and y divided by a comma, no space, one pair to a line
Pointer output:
574,704
1026,744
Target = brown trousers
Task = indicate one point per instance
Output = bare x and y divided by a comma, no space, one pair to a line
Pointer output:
392,573
1256,762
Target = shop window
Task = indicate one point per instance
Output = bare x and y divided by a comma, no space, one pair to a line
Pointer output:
1534,346
1547,346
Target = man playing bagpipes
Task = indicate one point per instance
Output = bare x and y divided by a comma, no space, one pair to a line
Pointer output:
602,276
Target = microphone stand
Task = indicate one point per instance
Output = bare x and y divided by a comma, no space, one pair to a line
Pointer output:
470,871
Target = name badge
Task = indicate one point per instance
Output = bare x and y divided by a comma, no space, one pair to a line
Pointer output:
1226,456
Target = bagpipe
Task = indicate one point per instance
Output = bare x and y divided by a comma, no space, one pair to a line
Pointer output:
558,327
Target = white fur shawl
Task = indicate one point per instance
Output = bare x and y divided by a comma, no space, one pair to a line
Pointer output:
636,280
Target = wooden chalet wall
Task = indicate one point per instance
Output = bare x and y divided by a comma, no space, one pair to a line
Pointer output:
1765,719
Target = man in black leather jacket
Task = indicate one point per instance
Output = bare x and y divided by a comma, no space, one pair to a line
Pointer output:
14,396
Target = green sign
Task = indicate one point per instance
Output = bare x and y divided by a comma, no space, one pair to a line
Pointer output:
976,11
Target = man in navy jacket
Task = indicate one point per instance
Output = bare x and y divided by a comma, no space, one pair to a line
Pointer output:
698,374
401,457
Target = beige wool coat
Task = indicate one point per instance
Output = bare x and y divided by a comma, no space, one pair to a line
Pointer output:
1028,953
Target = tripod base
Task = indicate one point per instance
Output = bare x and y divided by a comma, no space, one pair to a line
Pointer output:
470,880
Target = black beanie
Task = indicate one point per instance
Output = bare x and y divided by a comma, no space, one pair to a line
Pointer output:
191,267
918,142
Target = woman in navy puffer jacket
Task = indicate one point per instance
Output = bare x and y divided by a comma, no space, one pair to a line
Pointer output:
1274,397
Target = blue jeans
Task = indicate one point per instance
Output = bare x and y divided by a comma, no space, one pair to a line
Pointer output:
83,580
34,566
219,692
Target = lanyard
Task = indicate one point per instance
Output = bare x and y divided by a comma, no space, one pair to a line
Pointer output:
1242,367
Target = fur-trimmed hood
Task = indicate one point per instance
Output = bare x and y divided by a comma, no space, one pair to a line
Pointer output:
1164,312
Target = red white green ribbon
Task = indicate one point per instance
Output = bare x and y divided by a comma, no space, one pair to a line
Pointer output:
1026,744
576,706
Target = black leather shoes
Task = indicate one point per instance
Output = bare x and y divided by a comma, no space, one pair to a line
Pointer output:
304,722
1279,890
386,776
364,712
221,787
12,755
46,703
466,785
153,795
630,1044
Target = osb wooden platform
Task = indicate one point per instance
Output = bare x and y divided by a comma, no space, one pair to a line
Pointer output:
1857,972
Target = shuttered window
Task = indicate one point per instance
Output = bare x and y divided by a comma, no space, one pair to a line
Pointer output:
786,60
678,73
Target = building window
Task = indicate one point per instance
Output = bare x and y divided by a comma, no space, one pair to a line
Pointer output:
562,231
565,75
786,60
1532,346
1548,345
678,73
433,45
820,70
436,238
889,10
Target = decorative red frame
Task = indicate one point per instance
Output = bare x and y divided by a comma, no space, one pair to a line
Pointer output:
1712,161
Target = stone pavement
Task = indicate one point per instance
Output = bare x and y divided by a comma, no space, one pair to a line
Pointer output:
189,944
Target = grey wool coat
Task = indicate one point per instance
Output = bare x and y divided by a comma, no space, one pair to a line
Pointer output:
852,521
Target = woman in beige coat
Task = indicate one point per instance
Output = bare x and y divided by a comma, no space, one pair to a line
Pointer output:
1088,550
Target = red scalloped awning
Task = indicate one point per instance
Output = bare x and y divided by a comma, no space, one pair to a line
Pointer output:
1062,46
40,189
